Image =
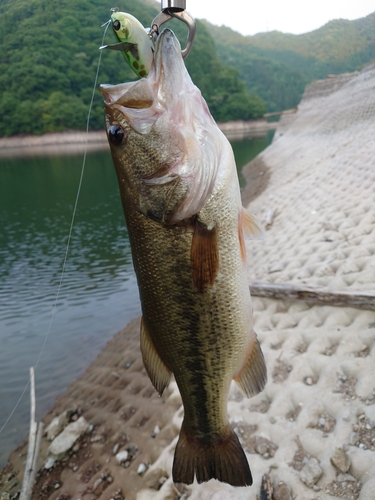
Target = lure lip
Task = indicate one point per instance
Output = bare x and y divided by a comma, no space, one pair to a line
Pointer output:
121,46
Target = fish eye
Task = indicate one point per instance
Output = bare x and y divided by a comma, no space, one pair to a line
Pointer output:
117,25
115,135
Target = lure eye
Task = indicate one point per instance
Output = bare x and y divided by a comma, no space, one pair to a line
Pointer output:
116,135
116,25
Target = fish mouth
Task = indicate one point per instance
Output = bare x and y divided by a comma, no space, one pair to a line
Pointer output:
134,104
113,93
167,49
171,76
135,95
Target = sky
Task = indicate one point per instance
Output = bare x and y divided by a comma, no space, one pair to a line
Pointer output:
288,16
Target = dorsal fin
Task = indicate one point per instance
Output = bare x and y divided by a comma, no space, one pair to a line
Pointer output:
251,226
248,226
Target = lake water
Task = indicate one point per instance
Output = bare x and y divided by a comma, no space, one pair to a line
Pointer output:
98,293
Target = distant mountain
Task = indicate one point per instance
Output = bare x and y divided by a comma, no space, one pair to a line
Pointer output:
277,66
49,55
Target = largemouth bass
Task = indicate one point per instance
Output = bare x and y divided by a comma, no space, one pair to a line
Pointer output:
181,199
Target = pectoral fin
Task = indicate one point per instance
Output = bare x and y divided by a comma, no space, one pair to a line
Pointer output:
204,256
253,375
159,374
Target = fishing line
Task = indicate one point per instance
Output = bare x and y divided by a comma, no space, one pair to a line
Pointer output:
69,234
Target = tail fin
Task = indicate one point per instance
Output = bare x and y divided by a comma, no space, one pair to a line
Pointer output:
221,457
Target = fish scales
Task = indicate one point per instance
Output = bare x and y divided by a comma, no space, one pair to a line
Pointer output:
171,303
182,205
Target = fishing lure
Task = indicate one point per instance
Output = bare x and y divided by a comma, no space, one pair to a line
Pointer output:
134,42
137,44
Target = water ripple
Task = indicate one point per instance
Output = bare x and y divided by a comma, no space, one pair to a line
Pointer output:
98,293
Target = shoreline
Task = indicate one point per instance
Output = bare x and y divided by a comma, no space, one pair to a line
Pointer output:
57,143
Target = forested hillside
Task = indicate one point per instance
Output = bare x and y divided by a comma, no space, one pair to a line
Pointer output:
277,66
49,55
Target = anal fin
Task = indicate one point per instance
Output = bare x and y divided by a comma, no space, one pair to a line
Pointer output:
253,375
219,457
158,373
204,256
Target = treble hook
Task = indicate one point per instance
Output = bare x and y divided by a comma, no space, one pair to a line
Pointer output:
174,9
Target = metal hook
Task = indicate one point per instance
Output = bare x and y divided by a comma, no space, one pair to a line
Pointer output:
169,13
